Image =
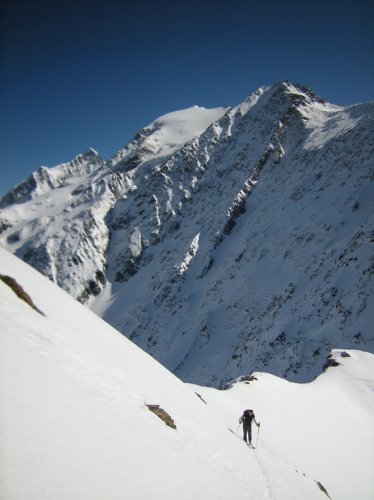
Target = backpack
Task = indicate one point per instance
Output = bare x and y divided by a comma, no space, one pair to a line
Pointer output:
247,416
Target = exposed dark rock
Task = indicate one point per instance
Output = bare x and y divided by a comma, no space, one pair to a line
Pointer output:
19,291
331,362
322,488
162,414
202,399
4,225
247,378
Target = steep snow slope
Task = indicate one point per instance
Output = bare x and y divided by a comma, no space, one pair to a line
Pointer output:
247,247
56,221
251,248
74,421
324,427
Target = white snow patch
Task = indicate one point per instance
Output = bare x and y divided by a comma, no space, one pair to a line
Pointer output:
192,251
174,129
136,242
325,122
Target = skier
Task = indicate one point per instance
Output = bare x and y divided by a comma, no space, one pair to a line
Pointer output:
246,420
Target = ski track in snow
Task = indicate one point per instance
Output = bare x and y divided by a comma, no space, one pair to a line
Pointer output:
267,489
268,463
274,470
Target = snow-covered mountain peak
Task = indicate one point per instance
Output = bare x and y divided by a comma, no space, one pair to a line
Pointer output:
165,135
298,97
321,120
48,178
282,100
90,156
294,89
171,131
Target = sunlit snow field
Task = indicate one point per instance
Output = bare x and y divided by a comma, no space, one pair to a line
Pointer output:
75,425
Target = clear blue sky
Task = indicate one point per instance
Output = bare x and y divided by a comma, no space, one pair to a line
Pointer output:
90,73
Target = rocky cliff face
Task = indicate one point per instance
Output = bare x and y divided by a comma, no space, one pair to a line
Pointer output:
242,242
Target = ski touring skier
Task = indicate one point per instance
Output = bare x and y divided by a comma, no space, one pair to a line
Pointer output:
246,419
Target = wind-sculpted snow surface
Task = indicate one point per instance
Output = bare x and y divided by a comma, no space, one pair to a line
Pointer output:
245,246
76,423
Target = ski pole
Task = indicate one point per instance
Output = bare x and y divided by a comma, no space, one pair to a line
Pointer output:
258,432
237,428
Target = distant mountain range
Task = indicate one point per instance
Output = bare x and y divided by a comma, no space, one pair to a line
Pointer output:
221,241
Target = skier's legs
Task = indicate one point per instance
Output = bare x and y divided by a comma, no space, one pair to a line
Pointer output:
247,433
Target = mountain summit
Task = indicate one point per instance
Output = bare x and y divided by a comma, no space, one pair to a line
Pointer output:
165,136
221,241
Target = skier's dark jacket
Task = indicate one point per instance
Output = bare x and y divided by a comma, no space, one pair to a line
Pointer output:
247,417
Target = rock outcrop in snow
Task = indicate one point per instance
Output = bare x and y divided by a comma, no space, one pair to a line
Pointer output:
240,241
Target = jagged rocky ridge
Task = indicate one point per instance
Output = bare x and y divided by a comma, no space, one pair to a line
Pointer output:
247,247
